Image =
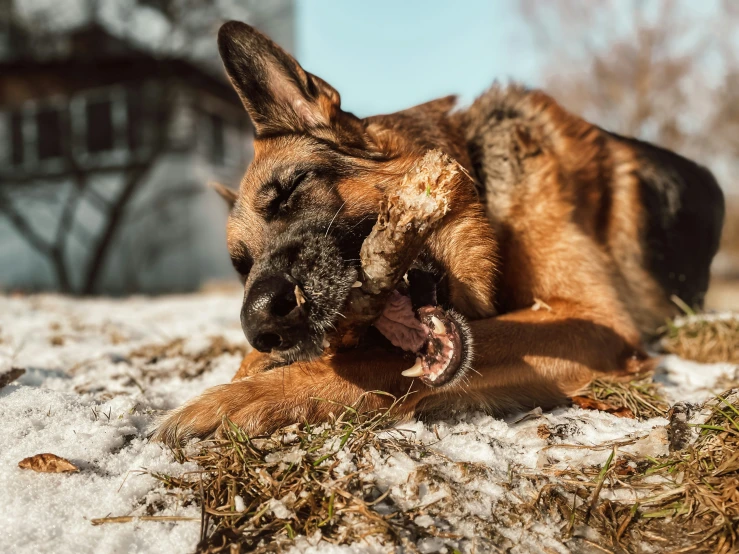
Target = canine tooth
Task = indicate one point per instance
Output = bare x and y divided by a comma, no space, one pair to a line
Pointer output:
415,371
439,328
299,296
326,344
357,284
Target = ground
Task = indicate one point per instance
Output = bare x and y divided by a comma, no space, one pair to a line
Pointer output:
99,372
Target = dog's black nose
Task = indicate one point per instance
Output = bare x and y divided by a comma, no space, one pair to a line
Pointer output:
271,317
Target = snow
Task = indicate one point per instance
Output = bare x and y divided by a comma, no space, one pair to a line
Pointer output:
92,392
83,400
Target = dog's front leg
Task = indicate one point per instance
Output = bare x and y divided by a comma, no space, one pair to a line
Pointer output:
263,401
256,362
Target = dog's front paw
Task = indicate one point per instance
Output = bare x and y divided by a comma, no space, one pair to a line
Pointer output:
203,416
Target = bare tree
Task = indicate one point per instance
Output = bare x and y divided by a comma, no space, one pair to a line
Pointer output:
661,70
666,71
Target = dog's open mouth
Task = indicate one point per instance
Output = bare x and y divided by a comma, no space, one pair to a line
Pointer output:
436,336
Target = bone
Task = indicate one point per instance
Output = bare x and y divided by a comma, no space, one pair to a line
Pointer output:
408,215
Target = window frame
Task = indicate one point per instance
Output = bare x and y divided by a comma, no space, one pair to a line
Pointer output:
28,112
120,153
73,113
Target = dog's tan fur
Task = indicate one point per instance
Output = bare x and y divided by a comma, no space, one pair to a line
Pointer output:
534,232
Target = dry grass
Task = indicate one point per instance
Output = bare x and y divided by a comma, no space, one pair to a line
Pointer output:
258,493
703,338
688,500
189,364
639,397
705,497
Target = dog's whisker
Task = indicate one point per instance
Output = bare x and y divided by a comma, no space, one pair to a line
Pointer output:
334,218
365,218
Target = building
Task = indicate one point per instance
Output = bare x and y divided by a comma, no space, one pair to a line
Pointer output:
105,154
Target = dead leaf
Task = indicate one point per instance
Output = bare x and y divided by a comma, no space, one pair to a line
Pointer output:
10,376
622,467
48,463
623,411
543,432
587,403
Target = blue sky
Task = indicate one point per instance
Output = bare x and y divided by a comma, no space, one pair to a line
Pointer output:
386,55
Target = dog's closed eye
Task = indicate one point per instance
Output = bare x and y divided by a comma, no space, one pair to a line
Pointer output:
276,194
242,262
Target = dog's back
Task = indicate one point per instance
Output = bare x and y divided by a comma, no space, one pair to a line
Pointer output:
655,216
685,213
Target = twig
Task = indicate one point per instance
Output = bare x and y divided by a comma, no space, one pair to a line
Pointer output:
128,519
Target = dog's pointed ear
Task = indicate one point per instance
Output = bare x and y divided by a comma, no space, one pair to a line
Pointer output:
227,193
278,94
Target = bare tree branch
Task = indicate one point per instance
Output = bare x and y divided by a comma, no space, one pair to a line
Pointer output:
194,19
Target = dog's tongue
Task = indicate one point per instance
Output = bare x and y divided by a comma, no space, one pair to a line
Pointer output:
399,324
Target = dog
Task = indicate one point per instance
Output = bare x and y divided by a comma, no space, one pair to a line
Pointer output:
557,260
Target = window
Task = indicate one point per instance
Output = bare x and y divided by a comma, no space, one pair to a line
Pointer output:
99,133
104,122
136,125
49,133
15,129
217,140
99,127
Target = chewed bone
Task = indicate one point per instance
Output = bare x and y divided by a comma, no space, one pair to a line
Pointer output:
407,217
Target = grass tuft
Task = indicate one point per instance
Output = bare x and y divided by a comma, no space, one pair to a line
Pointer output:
688,501
705,478
258,493
639,397
703,338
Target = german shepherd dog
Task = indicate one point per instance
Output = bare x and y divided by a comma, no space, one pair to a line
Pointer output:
554,264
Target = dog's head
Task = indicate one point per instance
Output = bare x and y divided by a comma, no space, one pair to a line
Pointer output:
312,193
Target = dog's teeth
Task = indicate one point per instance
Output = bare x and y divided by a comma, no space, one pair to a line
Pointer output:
415,371
439,328
326,344
357,284
299,296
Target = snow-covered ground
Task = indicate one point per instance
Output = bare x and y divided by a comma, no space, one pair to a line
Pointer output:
98,372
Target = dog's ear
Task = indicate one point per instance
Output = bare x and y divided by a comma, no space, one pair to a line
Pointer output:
227,193
278,94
